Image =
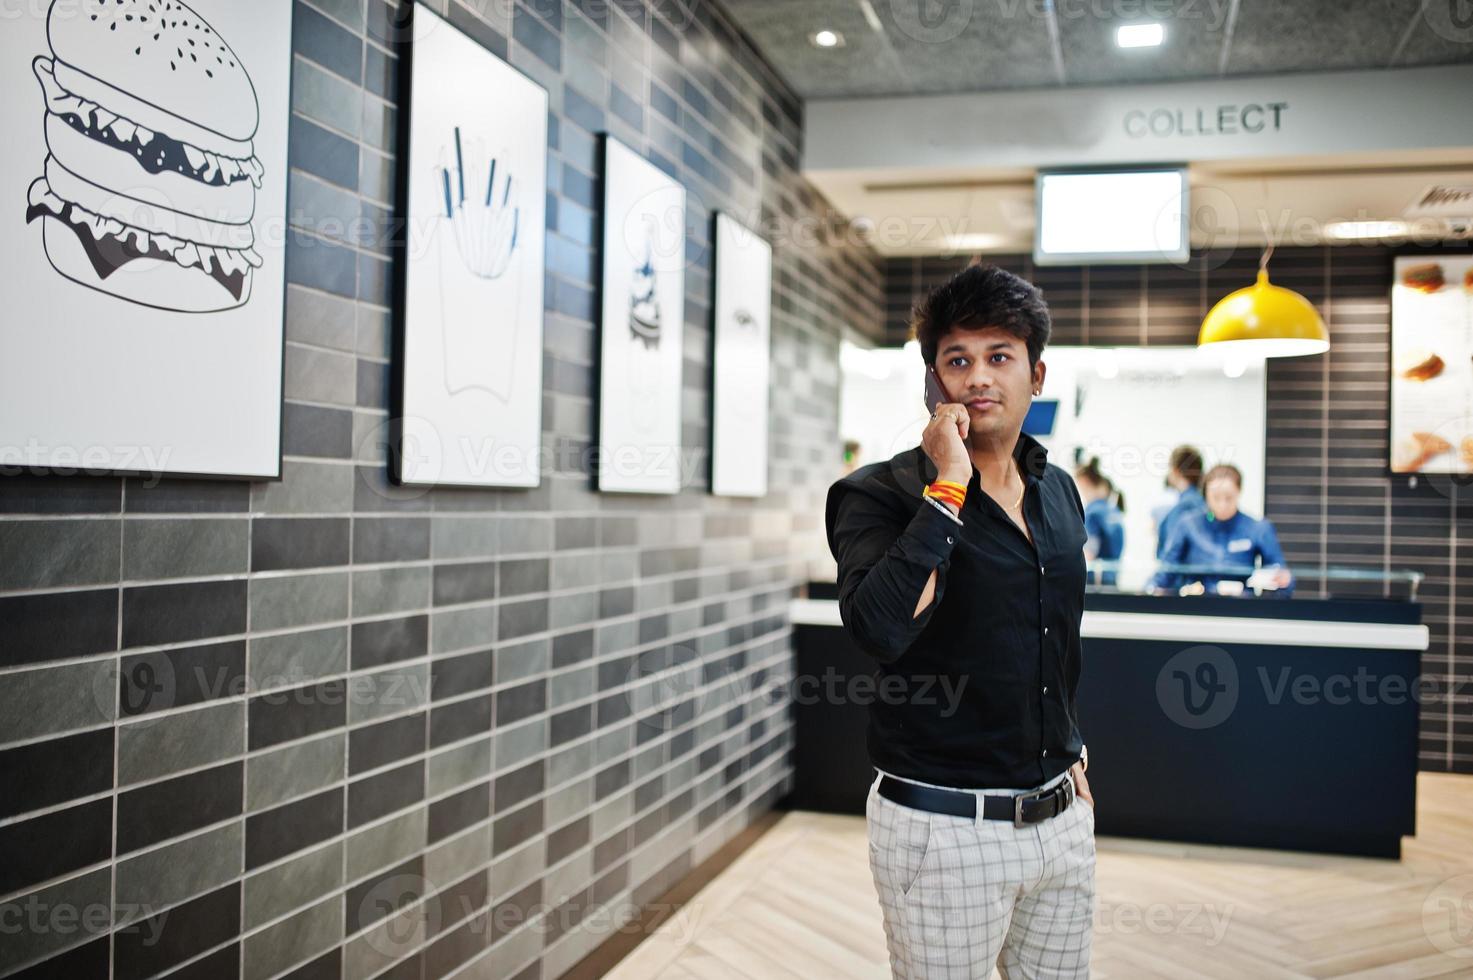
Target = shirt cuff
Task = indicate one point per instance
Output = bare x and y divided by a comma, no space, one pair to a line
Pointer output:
943,508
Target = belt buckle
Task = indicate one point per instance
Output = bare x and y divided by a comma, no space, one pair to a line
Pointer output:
1021,798
1018,810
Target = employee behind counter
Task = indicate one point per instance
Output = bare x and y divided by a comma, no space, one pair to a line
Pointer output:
1215,550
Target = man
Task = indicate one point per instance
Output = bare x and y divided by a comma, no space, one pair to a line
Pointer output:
961,569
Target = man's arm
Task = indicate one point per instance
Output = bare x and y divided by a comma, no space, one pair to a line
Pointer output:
886,568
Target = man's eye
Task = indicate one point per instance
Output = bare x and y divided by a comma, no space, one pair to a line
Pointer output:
954,360
1003,356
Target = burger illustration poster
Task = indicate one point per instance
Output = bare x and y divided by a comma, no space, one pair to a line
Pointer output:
142,205
641,325
1432,365
740,363
472,319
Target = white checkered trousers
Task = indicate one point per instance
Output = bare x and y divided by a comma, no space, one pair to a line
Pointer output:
962,894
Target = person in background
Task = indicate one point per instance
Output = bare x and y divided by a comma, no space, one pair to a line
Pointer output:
1104,516
851,456
1223,537
1185,477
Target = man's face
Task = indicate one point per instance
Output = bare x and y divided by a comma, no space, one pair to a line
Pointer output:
987,371
1222,497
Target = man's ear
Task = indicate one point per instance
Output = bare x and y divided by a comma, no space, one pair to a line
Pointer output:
1039,370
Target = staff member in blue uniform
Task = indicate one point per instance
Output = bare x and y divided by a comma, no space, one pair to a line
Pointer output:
1185,477
1223,538
1104,516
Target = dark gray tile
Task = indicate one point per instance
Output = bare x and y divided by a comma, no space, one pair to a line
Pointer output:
35,850
329,44
45,774
174,613
158,811
280,543
323,154
36,628
287,714
159,942
274,834
55,554
385,641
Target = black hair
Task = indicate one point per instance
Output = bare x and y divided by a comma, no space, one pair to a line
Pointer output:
978,297
1091,473
1188,462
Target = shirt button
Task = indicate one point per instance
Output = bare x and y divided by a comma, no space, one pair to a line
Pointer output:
1041,569
1045,689
1045,753
948,539
1045,631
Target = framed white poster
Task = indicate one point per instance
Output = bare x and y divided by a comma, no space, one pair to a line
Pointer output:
740,361
470,333
1432,365
642,322
143,189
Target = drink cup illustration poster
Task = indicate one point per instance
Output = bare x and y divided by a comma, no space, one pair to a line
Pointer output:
740,368
142,236
642,322
472,318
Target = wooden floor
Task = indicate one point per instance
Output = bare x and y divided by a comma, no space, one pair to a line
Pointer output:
800,904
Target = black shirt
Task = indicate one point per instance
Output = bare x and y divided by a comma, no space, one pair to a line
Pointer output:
981,685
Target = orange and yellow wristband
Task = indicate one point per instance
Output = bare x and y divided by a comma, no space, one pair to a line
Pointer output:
947,491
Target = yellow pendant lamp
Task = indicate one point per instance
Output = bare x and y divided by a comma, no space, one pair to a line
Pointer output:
1264,320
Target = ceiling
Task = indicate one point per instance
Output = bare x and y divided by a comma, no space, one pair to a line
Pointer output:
912,47
1288,200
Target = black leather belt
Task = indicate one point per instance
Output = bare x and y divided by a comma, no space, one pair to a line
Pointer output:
1023,809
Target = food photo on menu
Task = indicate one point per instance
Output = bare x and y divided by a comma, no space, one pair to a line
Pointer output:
1432,366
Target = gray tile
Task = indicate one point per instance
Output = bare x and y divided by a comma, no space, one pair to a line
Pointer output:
460,766
161,548
327,99
390,589
518,661
385,845
296,770
294,940
465,537
278,890
320,376
298,600
388,692
178,871
87,894
288,659
58,699
161,744
308,487
320,319
463,629
458,857
50,554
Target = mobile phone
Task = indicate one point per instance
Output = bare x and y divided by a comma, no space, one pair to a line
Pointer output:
935,392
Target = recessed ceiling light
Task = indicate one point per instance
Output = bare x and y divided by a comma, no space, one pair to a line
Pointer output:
826,39
1140,35
1350,230
975,241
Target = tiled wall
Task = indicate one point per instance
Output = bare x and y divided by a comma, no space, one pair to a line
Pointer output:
1329,491
324,728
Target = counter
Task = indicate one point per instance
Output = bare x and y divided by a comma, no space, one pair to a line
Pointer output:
1286,724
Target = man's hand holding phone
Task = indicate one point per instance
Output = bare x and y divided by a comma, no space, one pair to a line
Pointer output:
944,439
